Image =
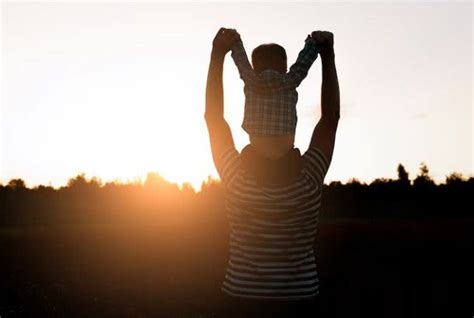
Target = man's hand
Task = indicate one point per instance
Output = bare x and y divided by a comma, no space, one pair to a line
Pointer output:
224,40
325,41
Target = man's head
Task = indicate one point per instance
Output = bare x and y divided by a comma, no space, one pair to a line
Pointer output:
269,56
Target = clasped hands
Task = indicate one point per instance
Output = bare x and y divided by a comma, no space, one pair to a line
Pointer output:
225,39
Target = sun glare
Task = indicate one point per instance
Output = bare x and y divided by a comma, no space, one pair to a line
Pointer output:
124,96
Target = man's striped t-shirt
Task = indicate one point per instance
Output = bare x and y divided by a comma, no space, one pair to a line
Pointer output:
272,230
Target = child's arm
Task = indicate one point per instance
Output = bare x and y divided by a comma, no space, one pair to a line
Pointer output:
241,60
306,57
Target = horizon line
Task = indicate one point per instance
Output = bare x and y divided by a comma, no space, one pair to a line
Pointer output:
140,180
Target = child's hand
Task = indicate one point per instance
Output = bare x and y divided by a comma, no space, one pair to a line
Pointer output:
224,40
325,41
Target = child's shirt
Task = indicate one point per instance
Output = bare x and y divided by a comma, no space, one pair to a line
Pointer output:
271,96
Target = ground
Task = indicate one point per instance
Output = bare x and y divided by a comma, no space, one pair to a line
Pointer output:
381,268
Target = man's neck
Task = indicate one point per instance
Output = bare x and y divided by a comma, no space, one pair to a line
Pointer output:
273,147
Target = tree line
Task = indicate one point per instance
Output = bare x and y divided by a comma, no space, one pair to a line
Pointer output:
159,201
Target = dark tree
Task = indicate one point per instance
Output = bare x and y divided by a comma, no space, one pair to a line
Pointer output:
78,181
423,179
16,184
403,177
454,178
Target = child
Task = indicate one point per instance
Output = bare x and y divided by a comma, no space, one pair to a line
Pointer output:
270,94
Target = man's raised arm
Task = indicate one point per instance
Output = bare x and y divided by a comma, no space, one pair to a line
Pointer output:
324,134
219,132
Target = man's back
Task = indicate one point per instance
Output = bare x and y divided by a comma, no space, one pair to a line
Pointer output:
272,230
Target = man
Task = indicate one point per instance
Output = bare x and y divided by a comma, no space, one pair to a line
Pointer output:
272,203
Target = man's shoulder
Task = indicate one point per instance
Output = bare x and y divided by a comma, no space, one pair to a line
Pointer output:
315,164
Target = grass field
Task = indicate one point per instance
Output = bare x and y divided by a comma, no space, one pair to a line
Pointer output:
368,268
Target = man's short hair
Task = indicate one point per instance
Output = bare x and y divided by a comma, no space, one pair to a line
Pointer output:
269,56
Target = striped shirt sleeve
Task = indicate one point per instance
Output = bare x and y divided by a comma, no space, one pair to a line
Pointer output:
228,165
316,164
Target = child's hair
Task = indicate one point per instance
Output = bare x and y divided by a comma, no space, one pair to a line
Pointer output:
269,56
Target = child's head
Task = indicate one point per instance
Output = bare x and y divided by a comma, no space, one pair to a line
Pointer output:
269,56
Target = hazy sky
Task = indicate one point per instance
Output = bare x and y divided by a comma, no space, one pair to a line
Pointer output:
116,90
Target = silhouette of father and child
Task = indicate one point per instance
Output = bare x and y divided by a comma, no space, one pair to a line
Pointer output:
272,191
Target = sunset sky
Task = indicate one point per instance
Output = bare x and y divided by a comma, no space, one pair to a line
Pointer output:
116,90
